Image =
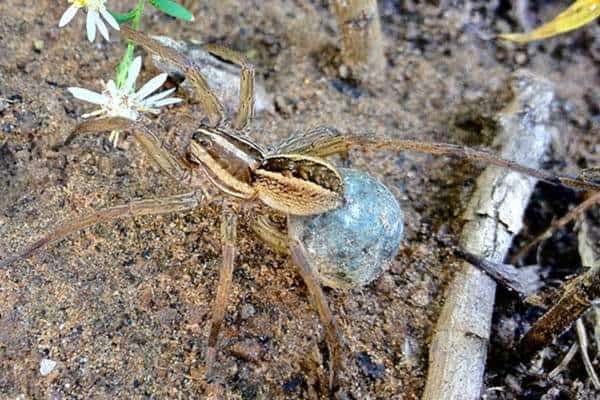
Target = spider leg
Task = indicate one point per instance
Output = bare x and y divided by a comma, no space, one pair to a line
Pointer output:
332,334
320,141
94,126
246,106
324,142
228,237
152,145
211,104
181,202
281,242
270,234
468,153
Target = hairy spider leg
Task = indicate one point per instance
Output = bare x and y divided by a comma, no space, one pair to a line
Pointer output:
245,110
229,249
315,291
212,105
165,205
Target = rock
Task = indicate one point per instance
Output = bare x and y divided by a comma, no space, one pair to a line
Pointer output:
247,311
371,369
223,78
38,45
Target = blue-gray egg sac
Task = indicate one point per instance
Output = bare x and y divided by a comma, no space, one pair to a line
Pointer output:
352,245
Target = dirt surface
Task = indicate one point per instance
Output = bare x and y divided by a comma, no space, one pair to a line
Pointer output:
123,308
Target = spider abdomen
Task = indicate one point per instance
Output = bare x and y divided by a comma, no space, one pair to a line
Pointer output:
298,185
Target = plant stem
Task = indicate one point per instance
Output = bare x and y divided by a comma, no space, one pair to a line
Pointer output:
362,46
128,56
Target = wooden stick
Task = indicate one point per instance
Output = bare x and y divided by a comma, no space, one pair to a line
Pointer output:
362,48
583,347
577,294
565,361
524,281
494,215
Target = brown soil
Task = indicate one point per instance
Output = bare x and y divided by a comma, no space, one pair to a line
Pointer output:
124,307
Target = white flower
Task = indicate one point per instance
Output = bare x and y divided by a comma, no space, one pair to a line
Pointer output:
95,10
125,101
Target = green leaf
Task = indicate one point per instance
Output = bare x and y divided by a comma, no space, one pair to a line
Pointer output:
123,66
123,18
173,9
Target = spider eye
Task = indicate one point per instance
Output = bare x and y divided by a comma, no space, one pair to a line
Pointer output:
202,140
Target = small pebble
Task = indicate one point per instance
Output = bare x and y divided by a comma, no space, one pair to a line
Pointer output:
124,145
344,71
249,350
38,45
410,349
47,366
247,311
368,367
521,58
386,284
8,127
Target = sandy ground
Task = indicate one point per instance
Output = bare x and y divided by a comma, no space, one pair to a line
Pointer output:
123,308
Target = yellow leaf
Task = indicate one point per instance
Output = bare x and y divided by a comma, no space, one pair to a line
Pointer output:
578,14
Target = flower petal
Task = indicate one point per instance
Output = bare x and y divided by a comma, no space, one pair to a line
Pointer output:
94,113
111,86
158,96
90,25
151,86
166,102
125,113
67,16
110,19
102,28
88,95
132,74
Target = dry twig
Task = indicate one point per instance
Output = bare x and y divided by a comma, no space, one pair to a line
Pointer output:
596,309
362,47
583,347
565,361
524,281
494,215
577,294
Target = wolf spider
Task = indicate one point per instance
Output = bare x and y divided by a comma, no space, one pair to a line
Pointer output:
293,179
